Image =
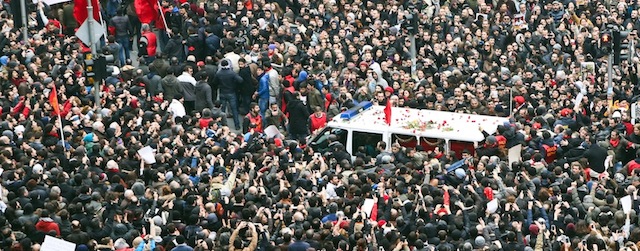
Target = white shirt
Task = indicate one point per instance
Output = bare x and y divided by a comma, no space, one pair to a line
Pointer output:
186,77
177,109
234,58
331,191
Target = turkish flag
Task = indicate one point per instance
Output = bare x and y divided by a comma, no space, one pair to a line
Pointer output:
53,100
387,113
80,10
147,10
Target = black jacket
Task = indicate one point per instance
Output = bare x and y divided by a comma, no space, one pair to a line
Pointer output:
596,156
227,80
298,117
249,83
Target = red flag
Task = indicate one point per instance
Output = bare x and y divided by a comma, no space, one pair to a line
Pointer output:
147,10
387,113
80,10
53,100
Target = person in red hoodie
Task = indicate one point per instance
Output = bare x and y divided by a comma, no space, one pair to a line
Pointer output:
289,89
46,224
207,116
317,120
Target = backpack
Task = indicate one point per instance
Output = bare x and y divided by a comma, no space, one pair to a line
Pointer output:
214,194
218,209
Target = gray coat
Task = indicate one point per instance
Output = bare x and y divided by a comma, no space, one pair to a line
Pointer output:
203,96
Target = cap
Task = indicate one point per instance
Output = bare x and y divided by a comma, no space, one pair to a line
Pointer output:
388,89
480,241
200,63
19,129
519,100
616,114
37,168
557,46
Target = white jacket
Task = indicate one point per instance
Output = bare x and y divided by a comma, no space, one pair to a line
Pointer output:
177,109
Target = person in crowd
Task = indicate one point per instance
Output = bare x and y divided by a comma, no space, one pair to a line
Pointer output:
188,84
148,44
228,83
203,92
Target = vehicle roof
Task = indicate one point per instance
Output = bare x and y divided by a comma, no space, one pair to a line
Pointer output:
423,123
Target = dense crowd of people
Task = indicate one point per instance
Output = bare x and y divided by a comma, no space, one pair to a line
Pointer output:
199,82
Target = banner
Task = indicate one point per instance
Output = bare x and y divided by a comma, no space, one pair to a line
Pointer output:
54,244
80,10
147,10
51,2
53,100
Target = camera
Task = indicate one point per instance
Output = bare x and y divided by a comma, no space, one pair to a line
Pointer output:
294,29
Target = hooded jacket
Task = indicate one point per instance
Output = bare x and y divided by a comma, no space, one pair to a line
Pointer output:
47,225
226,79
203,96
171,86
152,82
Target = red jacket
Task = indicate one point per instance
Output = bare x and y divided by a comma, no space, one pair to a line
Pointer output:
316,123
46,225
290,89
151,43
21,108
204,122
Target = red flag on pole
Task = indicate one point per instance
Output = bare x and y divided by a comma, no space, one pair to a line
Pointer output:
147,10
387,113
53,100
80,10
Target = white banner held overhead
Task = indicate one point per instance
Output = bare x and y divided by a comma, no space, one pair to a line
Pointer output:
54,244
148,155
626,203
515,153
51,2
367,207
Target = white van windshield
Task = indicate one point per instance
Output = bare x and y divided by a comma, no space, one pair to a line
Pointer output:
320,143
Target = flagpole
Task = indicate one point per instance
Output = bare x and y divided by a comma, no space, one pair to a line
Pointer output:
61,132
163,19
53,99
102,22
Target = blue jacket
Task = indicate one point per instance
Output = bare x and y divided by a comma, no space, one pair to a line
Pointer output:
263,86
299,246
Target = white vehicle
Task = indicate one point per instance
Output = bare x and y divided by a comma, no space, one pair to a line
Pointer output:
364,126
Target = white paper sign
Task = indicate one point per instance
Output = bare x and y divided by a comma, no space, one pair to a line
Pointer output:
514,154
51,2
147,154
272,132
492,206
367,206
55,244
626,203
